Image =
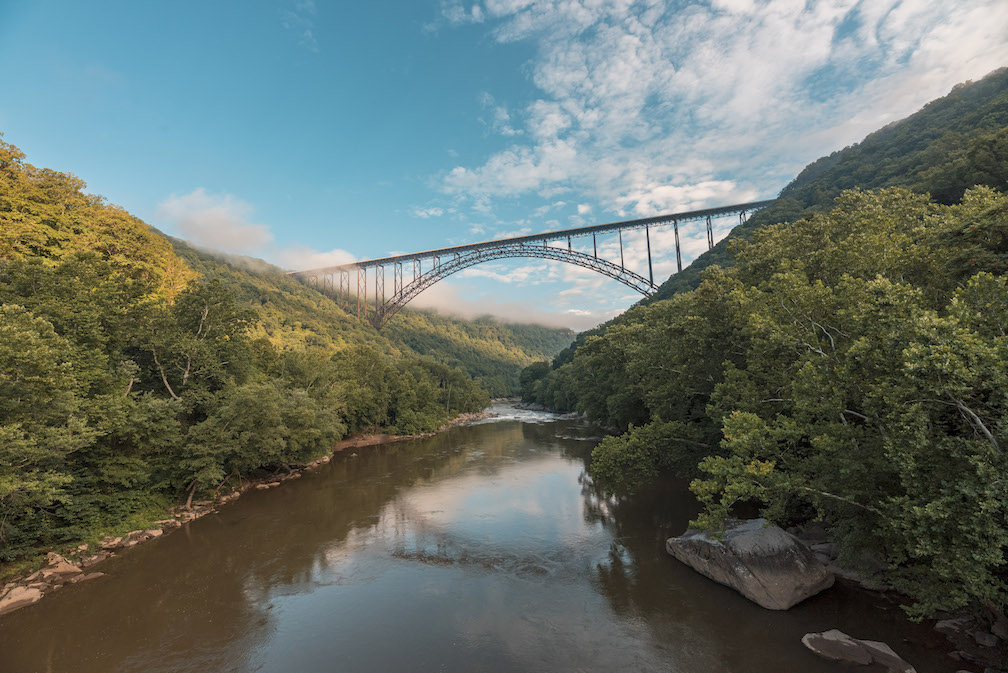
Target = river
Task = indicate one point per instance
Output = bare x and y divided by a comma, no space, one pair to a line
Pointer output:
484,548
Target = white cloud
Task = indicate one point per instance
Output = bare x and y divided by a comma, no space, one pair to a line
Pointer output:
300,21
651,105
530,274
222,223
542,210
426,213
450,298
302,257
218,221
500,118
513,233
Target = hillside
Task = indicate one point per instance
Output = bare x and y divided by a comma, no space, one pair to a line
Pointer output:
845,361
952,143
137,372
295,316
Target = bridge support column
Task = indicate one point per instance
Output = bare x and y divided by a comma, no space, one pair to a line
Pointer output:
361,293
594,246
621,265
647,237
678,254
343,300
710,234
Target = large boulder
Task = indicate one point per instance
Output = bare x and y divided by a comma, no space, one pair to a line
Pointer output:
838,646
763,563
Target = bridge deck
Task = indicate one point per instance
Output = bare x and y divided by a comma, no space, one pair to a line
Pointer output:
547,236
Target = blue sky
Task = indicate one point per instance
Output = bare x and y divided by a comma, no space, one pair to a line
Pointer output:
310,133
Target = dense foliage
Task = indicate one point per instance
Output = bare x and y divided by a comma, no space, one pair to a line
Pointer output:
852,366
850,363
136,372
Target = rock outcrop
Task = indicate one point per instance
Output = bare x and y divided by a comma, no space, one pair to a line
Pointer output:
18,597
838,646
764,563
58,569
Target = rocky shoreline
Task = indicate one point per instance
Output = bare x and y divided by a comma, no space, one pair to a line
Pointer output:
63,570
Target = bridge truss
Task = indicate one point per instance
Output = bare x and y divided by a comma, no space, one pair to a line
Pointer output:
347,283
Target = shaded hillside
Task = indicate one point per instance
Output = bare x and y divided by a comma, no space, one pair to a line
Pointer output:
951,144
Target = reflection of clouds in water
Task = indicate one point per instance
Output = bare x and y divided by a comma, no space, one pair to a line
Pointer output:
519,503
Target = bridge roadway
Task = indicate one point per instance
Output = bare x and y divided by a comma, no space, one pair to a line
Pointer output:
335,280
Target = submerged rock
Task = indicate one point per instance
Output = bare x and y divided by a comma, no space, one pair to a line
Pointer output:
764,563
85,578
838,646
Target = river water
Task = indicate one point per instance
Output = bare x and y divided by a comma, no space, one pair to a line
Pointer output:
485,548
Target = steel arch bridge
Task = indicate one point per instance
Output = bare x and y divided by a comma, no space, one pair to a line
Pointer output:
347,283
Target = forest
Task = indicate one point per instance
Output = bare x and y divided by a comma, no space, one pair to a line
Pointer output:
137,372
843,357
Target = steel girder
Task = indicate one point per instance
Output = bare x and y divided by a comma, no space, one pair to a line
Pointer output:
384,312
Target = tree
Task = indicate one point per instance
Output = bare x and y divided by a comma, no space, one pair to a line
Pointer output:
39,424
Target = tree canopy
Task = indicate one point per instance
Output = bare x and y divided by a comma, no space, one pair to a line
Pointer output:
842,356
136,371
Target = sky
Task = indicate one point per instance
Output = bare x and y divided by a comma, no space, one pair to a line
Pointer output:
311,133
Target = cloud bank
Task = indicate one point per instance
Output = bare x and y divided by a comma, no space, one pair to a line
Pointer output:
222,223
217,221
651,106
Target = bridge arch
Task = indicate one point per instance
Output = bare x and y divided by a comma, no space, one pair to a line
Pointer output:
443,262
442,269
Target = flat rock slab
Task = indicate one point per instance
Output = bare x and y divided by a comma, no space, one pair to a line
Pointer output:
19,597
766,564
838,646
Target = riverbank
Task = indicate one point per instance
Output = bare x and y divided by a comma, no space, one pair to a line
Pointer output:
27,583
364,439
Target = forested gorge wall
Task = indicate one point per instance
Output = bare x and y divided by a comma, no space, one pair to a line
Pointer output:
848,361
136,371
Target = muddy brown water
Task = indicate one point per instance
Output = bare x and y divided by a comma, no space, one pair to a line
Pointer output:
485,548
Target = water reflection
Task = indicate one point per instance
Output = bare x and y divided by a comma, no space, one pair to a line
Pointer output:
485,548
